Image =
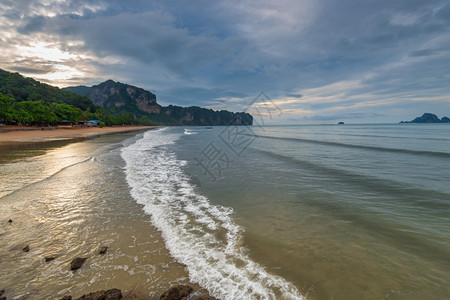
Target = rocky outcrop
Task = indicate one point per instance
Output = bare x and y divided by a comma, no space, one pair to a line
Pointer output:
182,292
49,258
112,294
428,118
179,292
77,263
123,98
119,97
195,115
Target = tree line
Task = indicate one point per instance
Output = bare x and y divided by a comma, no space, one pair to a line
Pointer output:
25,101
39,113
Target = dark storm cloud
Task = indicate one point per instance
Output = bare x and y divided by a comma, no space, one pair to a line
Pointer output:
203,52
425,52
31,67
147,37
295,95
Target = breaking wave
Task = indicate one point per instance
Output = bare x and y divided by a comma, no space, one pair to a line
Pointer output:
200,235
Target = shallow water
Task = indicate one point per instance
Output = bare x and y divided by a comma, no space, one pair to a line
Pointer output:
68,201
280,212
343,212
200,235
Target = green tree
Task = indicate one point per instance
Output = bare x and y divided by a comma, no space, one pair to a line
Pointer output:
65,112
6,108
34,113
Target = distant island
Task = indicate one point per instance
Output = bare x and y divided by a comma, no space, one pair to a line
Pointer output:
25,101
428,118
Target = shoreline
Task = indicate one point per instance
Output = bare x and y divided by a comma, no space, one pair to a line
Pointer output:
15,134
50,255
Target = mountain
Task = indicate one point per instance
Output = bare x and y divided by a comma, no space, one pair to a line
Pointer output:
428,118
120,98
25,101
195,115
22,88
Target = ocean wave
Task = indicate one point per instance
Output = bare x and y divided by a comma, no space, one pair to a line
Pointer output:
362,147
200,235
189,132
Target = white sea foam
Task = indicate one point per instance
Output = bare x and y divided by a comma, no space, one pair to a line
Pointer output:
199,235
188,131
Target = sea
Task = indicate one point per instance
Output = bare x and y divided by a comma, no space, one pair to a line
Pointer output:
237,212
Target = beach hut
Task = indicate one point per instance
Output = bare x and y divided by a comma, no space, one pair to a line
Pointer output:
90,123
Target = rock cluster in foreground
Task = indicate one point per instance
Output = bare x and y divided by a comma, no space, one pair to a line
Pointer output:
179,292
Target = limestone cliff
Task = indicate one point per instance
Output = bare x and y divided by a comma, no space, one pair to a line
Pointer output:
118,98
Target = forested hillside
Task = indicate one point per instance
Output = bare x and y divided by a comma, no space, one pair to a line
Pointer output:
25,101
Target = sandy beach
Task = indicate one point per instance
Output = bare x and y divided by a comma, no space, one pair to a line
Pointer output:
34,134
64,197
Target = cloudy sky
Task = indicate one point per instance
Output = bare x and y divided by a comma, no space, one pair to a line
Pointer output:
317,61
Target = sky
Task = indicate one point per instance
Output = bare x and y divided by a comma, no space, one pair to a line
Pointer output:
286,61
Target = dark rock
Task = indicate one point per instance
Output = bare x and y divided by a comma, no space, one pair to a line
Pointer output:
26,249
103,250
2,298
49,258
341,123
77,263
66,298
10,221
204,298
179,292
133,296
428,118
113,294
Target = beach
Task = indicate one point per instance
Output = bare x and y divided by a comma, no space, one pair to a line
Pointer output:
66,197
38,134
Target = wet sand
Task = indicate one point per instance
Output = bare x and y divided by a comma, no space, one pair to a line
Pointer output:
59,211
45,134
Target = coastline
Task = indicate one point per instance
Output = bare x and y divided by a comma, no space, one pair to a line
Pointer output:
134,250
36,134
